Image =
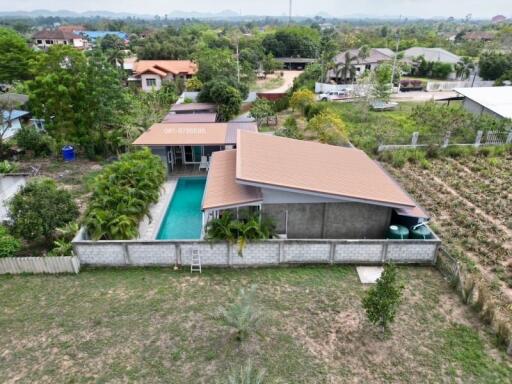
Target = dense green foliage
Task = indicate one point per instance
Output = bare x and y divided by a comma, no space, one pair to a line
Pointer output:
9,245
431,69
122,194
494,65
246,228
39,208
307,79
262,109
30,138
227,98
290,129
382,84
293,41
15,55
382,300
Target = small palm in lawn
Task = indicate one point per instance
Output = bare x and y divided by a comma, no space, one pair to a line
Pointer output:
247,374
382,300
242,315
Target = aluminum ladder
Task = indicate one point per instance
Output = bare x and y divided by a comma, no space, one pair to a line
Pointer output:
195,263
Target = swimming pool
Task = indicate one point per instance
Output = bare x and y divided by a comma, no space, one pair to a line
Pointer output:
183,218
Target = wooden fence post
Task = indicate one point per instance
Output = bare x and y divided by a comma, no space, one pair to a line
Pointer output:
478,138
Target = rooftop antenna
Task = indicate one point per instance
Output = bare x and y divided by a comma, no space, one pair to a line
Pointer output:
290,12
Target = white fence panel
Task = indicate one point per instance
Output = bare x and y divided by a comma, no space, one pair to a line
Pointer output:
57,264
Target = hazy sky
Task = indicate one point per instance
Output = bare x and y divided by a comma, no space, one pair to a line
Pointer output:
423,8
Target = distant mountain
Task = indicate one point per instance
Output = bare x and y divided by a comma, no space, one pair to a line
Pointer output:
225,14
66,13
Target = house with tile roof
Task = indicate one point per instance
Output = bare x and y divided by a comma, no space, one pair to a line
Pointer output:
376,57
310,190
150,74
49,37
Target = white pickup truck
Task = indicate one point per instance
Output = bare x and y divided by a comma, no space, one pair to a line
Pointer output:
333,95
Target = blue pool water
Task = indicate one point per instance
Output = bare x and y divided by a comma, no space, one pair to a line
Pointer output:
183,218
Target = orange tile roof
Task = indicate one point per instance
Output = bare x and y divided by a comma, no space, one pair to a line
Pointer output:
265,160
222,190
165,66
191,134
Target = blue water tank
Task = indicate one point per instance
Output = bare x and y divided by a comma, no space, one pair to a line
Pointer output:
68,153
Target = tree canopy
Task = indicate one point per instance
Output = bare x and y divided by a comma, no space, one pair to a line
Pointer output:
15,55
293,41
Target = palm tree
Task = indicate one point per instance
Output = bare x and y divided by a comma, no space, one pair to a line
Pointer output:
364,52
346,70
464,68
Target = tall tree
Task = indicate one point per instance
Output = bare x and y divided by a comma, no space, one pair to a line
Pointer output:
15,55
464,68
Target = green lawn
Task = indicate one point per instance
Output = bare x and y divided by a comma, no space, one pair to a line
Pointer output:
157,325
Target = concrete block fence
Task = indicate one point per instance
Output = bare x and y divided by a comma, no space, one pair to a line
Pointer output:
259,253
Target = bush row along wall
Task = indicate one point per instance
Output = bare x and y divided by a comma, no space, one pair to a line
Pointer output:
260,253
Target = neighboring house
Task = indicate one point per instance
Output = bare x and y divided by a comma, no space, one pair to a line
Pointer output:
310,190
173,117
376,56
479,36
150,74
431,54
182,144
498,19
194,108
49,37
439,55
11,122
494,101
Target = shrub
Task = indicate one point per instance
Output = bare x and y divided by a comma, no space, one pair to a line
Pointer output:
312,110
39,208
301,98
248,227
282,103
290,129
242,315
7,167
9,245
30,138
382,300
193,84
122,194
328,128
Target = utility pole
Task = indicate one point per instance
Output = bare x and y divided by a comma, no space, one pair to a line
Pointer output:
290,13
237,60
396,54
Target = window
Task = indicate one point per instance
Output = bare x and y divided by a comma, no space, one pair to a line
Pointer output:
39,41
48,41
151,82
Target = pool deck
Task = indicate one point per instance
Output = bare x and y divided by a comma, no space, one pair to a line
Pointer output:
148,228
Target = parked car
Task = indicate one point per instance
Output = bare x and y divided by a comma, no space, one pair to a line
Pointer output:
334,95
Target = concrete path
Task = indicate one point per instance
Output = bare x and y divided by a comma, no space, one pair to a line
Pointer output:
148,228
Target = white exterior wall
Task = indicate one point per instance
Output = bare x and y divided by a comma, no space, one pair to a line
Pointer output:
147,88
478,109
